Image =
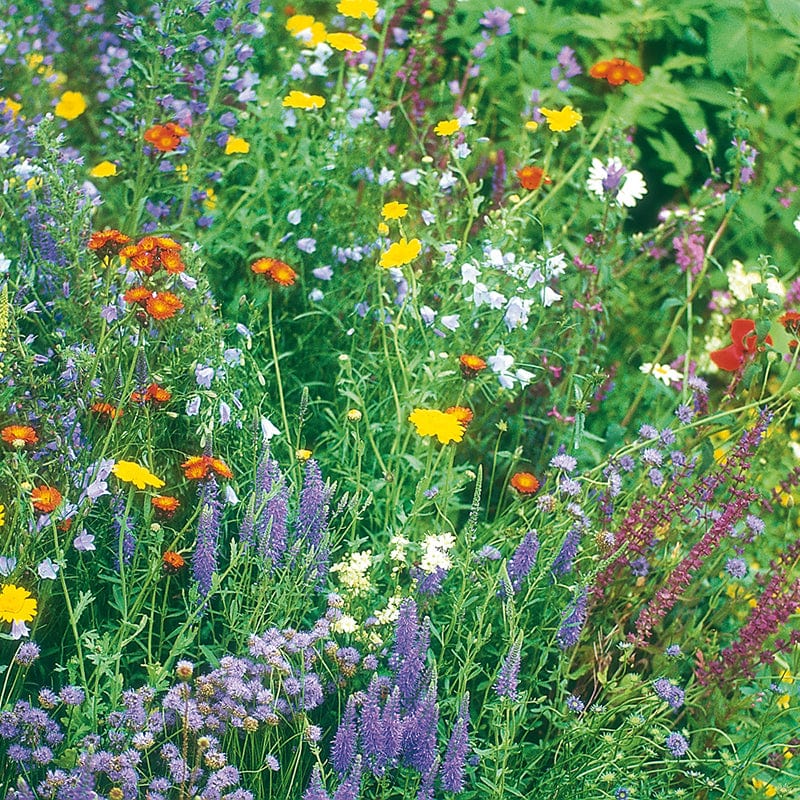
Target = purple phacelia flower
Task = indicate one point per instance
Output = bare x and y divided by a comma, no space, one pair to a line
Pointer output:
677,745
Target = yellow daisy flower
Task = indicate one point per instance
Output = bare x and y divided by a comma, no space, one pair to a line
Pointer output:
105,169
345,41
355,8
431,422
394,210
303,100
140,477
564,120
236,145
70,106
400,253
447,127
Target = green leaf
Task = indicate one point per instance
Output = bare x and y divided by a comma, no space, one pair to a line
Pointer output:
727,45
786,13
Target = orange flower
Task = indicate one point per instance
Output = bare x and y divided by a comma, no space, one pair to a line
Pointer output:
461,413
19,435
172,561
524,482
532,177
165,137
197,467
107,410
108,243
137,294
154,252
153,393
46,498
470,365
617,71
165,504
790,321
163,305
279,271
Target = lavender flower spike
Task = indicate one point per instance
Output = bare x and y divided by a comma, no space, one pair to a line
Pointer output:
574,619
350,788
316,788
521,563
312,516
508,677
345,743
452,774
204,562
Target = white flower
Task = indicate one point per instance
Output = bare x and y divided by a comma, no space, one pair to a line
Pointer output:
517,310
556,265
662,372
47,570
524,376
345,624
633,188
630,185
268,430
449,321
549,296
469,273
797,223
500,362
741,282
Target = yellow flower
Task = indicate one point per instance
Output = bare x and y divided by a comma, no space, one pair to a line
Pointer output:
302,454
236,145
394,210
2,515
16,604
306,28
400,253
784,701
430,422
105,169
447,127
383,229
564,120
7,104
139,476
355,8
211,199
71,105
297,99
345,41
531,125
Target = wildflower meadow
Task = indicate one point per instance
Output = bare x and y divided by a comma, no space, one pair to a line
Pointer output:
399,400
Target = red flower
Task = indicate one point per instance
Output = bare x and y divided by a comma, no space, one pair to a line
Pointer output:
744,343
524,482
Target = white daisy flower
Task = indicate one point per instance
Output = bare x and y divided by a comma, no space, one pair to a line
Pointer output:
626,186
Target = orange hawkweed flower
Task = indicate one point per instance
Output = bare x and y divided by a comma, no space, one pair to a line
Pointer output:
137,294
524,482
165,504
470,365
106,410
172,561
18,436
108,243
163,305
790,321
532,177
617,71
165,137
46,498
153,393
197,467
461,413
279,271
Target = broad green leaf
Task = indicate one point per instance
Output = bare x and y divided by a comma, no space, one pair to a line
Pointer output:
786,13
